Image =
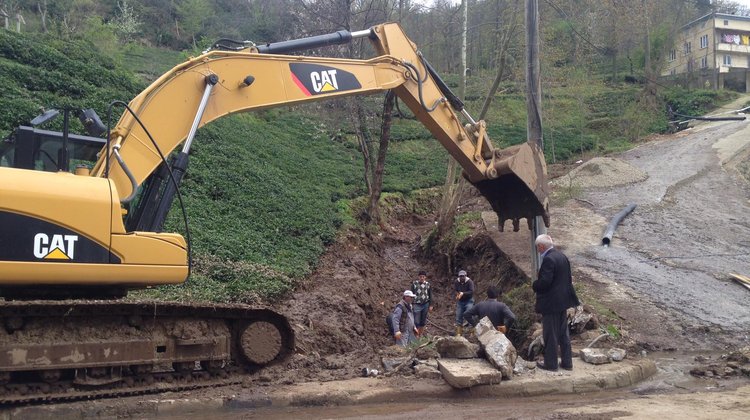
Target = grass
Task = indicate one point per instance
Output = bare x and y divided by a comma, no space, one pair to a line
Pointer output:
149,63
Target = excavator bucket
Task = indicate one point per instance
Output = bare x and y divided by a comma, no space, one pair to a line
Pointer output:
520,188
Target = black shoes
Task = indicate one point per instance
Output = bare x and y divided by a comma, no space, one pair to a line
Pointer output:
542,366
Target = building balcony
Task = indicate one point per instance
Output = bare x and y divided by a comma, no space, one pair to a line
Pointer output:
745,49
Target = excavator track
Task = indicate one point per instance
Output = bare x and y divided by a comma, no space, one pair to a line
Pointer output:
55,351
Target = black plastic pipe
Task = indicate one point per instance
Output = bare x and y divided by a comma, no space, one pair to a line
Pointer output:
610,231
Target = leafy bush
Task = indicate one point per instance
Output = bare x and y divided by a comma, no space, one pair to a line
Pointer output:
696,102
521,301
40,72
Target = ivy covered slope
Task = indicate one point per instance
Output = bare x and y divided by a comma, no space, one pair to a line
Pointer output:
267,192
39,72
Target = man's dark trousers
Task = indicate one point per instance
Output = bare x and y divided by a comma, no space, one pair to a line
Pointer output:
556,335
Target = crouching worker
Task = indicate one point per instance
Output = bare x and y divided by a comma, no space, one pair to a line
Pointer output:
402,321
499,313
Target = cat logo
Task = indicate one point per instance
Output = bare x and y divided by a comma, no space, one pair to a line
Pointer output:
314,79
324,81
60,247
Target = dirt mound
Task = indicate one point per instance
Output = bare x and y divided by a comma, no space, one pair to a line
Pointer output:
601,172
339,313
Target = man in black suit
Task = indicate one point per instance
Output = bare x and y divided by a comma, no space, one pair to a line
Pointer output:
554,295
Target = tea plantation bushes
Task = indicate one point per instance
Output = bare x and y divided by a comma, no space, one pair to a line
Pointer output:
40,72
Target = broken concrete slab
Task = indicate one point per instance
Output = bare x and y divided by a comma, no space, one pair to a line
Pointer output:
594,356
466,373
427,372
616,355
497,348
456,348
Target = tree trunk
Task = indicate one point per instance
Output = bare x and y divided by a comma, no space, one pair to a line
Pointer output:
453,188
42,7
452,192
365,140
503,40
464,26
373,209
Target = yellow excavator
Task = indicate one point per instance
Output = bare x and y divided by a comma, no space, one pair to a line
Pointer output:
71,241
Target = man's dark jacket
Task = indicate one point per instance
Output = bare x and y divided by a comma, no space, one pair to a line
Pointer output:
554,285
498,312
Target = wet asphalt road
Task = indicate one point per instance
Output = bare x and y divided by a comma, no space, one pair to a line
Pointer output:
691,227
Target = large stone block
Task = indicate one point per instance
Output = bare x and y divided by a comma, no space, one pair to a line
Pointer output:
456,348
616,355
465,373
594,356
497,348
427,372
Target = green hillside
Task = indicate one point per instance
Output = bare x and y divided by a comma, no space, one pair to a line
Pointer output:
38,72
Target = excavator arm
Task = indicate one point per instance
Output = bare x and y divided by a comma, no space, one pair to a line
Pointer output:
219,83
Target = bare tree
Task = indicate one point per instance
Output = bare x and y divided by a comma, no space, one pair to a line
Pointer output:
454,184
373,209
126,21
41,6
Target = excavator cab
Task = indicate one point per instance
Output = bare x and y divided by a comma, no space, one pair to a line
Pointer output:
37,149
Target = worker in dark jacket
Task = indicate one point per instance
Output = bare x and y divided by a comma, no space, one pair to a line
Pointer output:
464,288
554,295
499,313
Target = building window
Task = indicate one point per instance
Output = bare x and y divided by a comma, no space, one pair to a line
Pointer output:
704,41
690,66
704,62
726,23
727,60
673,72
672,55
687,48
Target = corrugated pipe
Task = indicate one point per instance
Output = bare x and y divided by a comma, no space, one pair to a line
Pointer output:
610,231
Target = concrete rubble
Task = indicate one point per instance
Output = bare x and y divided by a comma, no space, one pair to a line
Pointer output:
602,356
497,348
594,356
456,348
466,373
616,355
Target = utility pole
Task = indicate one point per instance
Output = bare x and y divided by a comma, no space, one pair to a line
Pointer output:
464,30
533,109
